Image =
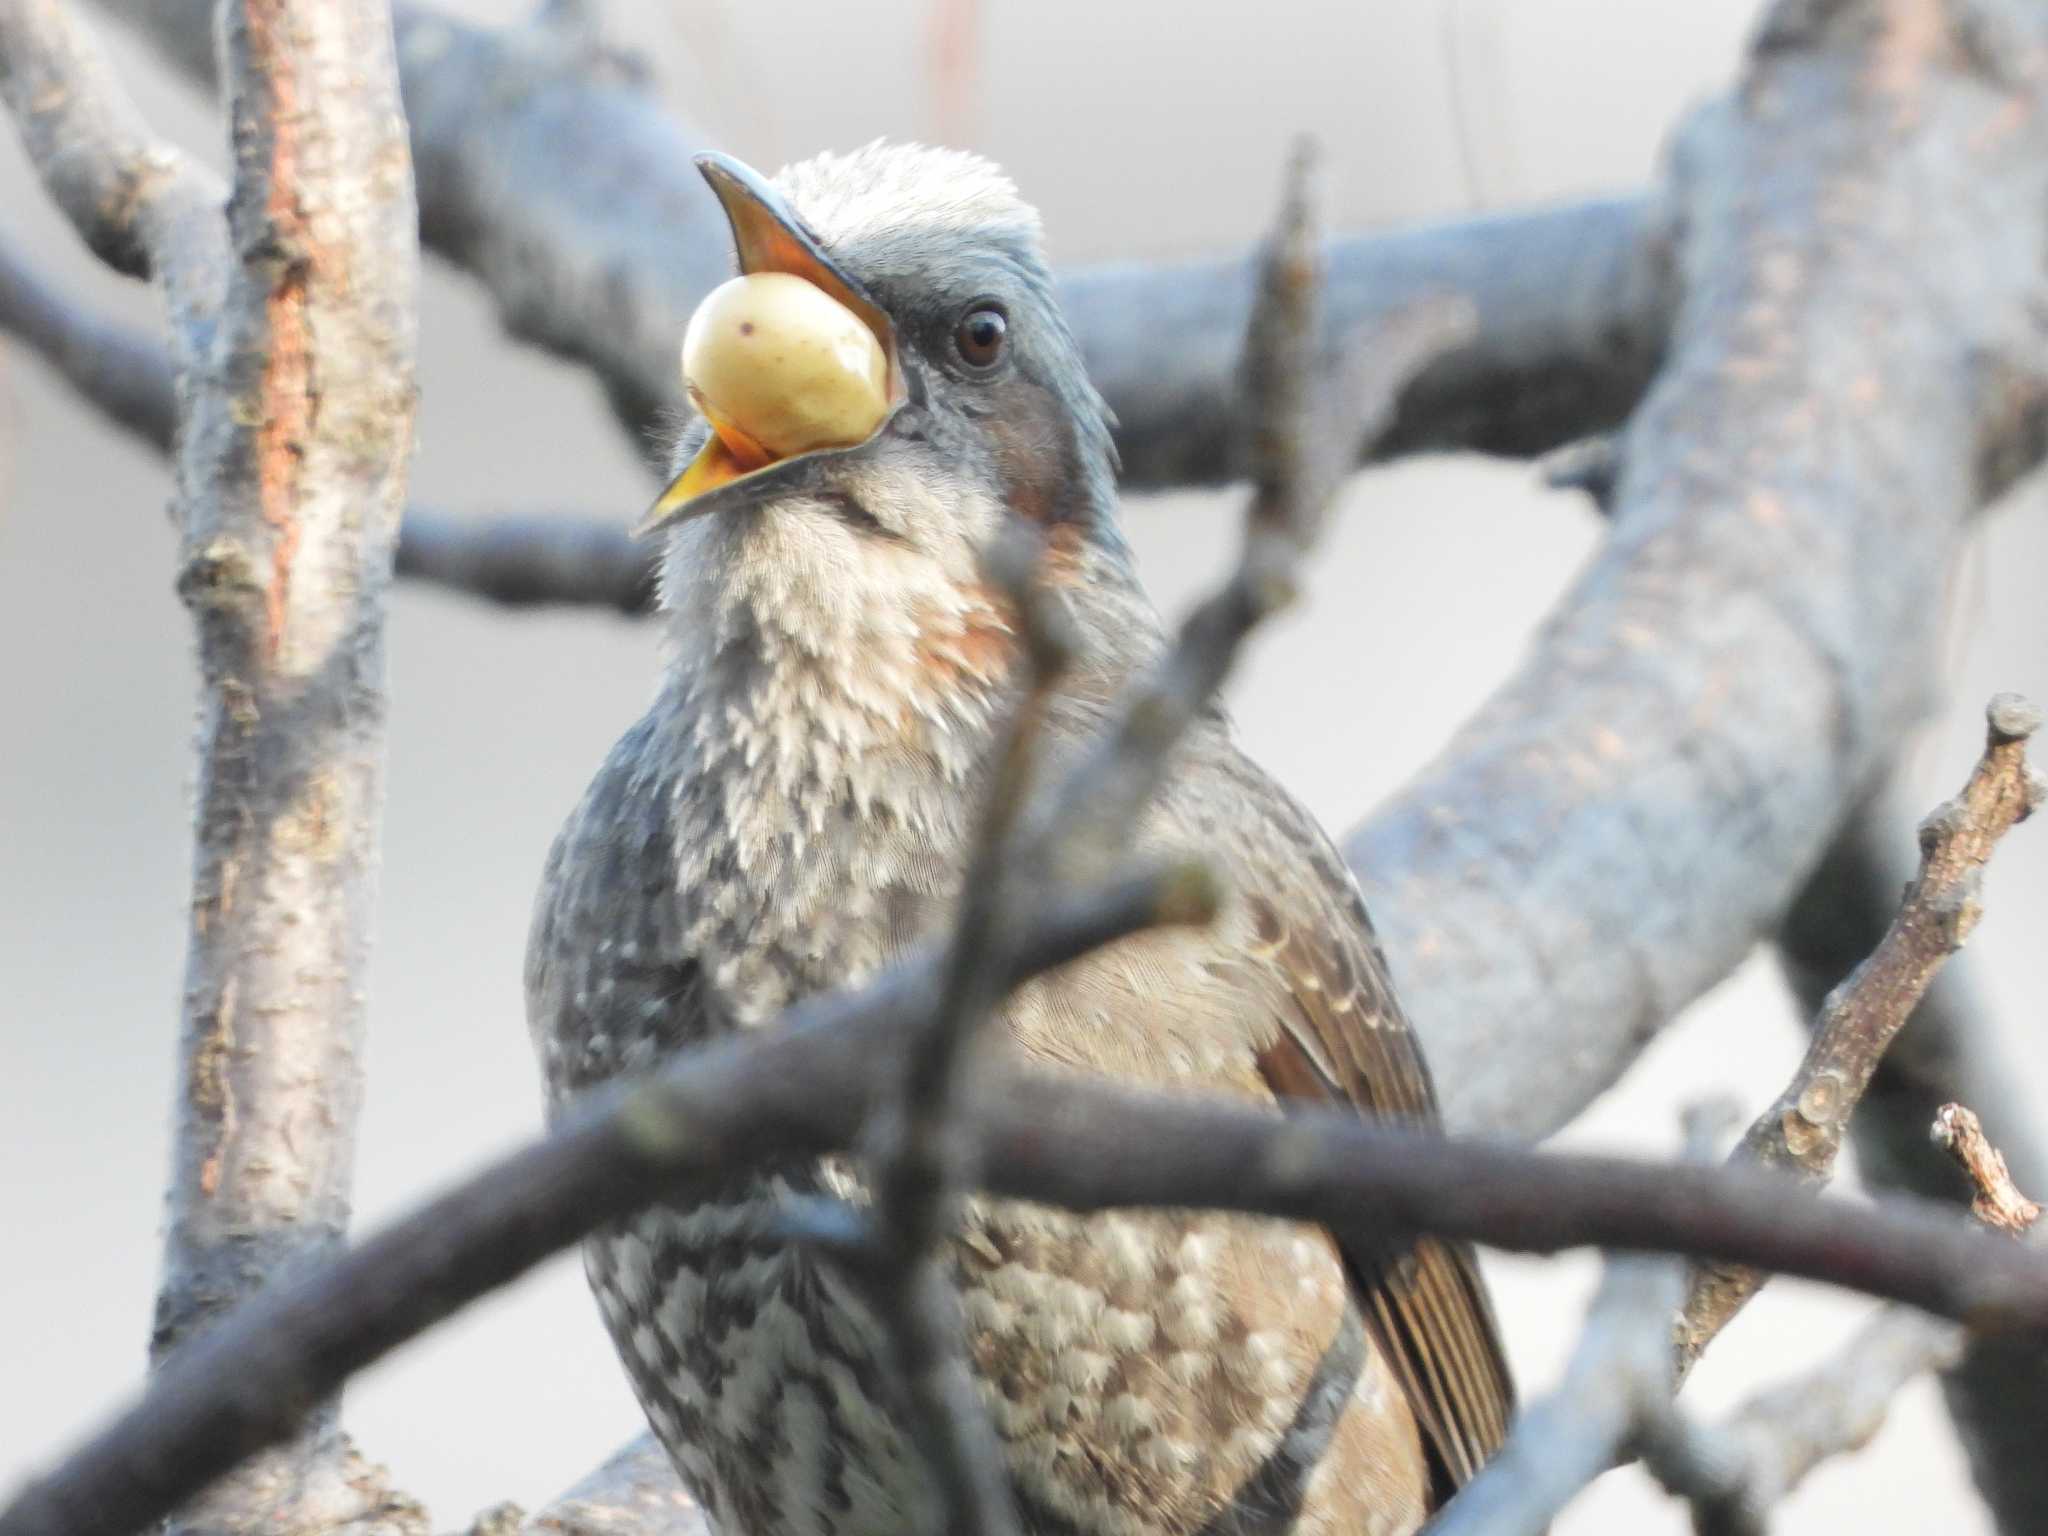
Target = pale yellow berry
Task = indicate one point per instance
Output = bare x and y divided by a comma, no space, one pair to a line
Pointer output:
786,364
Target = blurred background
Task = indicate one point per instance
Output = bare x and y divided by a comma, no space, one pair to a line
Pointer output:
1151,128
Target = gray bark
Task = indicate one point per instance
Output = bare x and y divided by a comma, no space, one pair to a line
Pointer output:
550,171
1853,371
292,324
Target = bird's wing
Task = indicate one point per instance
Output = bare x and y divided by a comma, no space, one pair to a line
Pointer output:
1310,949
610,988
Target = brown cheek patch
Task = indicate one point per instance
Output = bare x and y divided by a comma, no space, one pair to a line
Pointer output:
1035,460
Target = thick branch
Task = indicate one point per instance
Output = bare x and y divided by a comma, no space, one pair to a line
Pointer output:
293,433
550,172
1802,1132
1636,808
1853,327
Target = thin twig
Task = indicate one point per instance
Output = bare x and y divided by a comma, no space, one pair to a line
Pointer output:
1998,1203
1953,1049
1617,1395
142,206
1302,447
1753,1459
565,559
1619,1375
249,1382
1619,1380
1303,438
804,1091
918,1154
1802,1132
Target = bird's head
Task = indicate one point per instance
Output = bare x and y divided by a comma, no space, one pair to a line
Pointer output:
887,383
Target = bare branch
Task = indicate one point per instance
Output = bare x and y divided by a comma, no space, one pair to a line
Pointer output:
1299,452
1761,1452
1620,1380
293,439
550,172
249,1382
804,1091
1619,1377
124,372
1622,822
562,559
917,1155
524,561
1999,1204
1617,1394
288,484
1952,1050
1802,1132
144,208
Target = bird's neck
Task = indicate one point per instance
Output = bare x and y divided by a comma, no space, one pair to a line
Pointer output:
828,721
836,662
827,730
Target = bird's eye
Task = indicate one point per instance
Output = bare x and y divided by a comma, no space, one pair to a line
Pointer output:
979,336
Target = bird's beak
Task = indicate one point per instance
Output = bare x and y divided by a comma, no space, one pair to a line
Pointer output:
769,237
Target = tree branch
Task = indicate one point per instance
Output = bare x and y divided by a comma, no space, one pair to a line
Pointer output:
125,372
1802,1132
1617,827
805,1091
1846,282
295,428
517,561
1950,1051
1620,1379
1998,1203
1752,1460
1616,1395
143,208
550,172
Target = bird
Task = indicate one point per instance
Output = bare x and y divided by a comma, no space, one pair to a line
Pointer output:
793,814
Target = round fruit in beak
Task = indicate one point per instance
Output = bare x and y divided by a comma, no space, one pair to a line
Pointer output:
779,367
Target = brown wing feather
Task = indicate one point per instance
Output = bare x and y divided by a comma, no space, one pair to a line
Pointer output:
1344,1038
